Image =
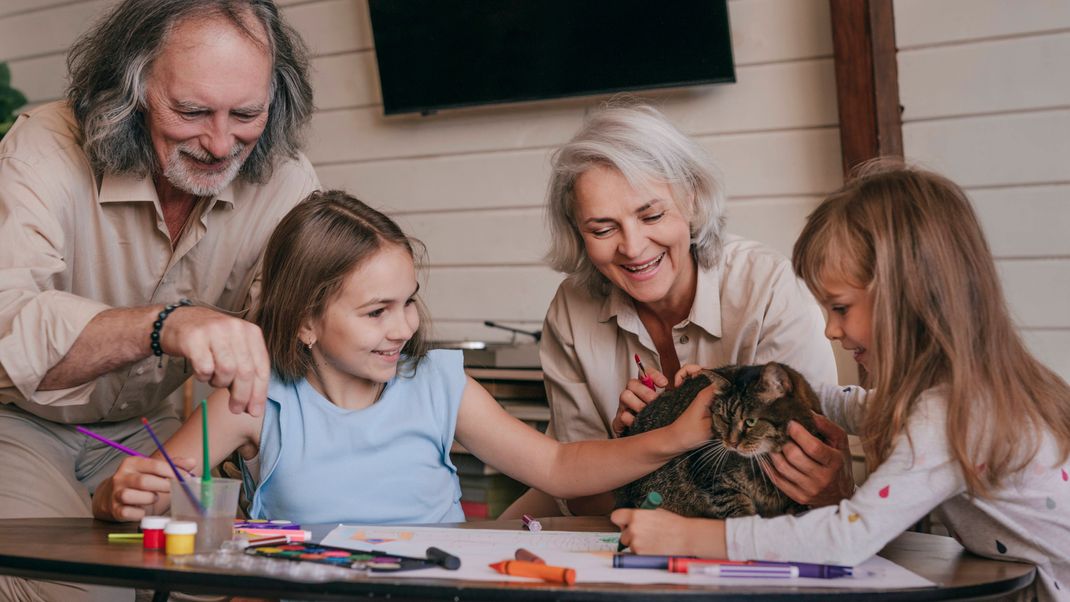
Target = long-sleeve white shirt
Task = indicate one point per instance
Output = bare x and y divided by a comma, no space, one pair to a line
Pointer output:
1027,519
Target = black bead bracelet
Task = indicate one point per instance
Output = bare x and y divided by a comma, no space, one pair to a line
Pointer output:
157,326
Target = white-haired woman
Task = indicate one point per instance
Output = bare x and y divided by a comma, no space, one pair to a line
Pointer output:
636,216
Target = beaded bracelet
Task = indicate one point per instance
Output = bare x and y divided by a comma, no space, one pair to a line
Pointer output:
157,326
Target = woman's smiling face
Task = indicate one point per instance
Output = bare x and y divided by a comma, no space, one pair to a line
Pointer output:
636,237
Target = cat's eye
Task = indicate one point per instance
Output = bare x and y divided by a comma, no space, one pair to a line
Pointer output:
751,421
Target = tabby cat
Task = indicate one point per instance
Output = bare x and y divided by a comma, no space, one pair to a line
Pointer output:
751,408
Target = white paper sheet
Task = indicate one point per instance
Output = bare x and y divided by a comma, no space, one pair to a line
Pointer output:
590,554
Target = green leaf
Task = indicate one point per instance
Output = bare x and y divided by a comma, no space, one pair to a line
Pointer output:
5,75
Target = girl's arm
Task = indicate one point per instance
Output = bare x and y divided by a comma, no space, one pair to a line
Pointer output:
141,486
843,404
573,469
906,487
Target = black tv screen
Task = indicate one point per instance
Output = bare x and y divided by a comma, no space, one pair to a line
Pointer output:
436,54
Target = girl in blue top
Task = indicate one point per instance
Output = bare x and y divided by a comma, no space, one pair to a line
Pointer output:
360,415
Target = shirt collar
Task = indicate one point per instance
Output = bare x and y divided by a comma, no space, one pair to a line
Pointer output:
130,188
705,311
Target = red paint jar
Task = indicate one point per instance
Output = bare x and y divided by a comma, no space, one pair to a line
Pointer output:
152,531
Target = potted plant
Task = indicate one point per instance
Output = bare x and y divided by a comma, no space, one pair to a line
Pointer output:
10,100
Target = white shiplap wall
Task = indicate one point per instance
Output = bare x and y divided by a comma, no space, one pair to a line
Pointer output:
985,89
470,183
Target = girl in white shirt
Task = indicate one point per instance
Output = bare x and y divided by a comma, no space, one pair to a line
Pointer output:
961,419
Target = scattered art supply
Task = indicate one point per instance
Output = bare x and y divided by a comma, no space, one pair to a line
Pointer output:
531,523
293,534
443,559
372,561
180,537
679,564
206,478
178,474
652,501
113,537
640,561
152,528
743,571
106,441
813,571
643,378
519,568
263,523
528,556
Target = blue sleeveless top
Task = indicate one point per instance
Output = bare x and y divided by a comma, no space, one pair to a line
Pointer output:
387,463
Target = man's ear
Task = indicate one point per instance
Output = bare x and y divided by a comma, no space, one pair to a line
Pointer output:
776,382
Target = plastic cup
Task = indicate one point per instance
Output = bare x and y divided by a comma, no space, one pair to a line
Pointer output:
216,525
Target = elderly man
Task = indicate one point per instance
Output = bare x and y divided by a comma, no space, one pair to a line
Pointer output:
133,217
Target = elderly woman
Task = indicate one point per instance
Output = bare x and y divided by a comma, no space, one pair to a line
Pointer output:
636,217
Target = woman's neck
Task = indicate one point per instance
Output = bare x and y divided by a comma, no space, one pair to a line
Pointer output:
675,306
344,390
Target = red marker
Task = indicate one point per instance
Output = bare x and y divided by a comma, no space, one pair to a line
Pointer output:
643,378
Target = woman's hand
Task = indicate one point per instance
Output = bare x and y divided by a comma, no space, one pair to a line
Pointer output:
634,398
663,532
140,487
811,472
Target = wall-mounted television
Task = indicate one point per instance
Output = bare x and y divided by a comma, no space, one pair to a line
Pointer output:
437,54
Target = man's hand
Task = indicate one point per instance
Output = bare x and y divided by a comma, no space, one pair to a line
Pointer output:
811,472
224,351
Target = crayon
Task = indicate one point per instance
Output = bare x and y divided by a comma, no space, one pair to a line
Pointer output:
519,568
125,536
528,556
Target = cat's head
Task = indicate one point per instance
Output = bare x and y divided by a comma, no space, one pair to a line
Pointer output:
753,405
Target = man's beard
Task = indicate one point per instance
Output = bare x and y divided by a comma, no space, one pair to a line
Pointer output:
185,177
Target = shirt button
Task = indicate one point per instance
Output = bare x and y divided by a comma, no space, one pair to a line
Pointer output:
141,370
122,406
684,339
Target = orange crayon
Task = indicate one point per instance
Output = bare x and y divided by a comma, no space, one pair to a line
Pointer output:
520,568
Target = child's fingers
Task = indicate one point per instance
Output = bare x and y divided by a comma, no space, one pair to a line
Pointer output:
622,517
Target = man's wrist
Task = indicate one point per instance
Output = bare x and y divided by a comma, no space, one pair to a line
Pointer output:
157,328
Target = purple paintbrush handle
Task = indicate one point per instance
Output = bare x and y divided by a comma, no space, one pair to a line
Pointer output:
105,440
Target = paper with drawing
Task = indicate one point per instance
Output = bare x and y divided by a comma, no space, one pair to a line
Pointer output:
590,554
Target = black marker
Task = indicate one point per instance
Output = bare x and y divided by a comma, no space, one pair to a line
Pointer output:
443,559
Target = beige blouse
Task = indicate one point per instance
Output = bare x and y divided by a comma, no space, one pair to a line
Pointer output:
74,244
749,309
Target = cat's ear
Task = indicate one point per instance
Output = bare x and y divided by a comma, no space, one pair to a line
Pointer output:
776,382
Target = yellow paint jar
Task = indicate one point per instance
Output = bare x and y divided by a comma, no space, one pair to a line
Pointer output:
180,535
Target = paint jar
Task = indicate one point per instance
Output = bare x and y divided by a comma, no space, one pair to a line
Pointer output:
181,535
152,531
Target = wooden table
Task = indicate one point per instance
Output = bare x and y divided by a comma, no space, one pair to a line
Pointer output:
78,550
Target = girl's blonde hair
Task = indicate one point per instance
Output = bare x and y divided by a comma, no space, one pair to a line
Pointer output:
910,237
315,246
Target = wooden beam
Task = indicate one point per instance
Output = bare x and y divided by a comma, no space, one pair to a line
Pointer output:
867,80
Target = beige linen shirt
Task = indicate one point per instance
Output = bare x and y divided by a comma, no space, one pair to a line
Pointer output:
73,243
749,309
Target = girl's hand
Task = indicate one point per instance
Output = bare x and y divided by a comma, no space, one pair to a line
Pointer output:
634,398
811,472
140,487
663,532
694,427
